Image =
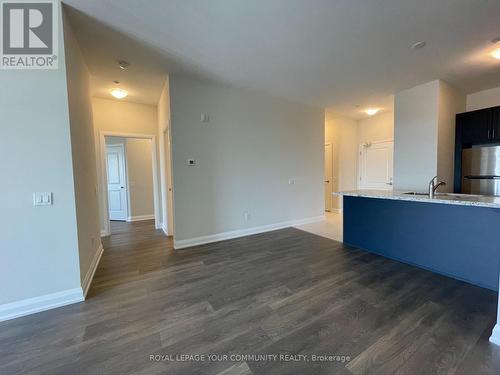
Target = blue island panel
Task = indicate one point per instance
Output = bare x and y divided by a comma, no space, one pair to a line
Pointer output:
462,242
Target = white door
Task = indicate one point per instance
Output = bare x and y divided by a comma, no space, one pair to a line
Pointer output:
328,176
376,165
117,182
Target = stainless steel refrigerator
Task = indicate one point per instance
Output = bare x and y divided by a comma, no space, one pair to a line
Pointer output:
481,170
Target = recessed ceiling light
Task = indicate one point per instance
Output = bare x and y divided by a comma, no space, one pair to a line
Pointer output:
118,93
418,45
123,64
496,54
371,111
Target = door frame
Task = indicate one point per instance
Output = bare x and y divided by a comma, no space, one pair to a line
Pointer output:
360,159
125,171
333,176
104,178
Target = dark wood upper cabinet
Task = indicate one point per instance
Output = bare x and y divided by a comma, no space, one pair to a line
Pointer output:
476,126
495,124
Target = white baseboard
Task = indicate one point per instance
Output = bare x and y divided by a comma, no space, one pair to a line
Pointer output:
181,244
91,271
495,335
104,233
140,218
336,210
46,302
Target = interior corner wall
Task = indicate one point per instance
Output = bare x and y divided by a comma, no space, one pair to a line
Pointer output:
83,153
451,102
39,245
416,114
257,155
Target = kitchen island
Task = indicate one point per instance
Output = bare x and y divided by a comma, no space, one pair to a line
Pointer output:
452,234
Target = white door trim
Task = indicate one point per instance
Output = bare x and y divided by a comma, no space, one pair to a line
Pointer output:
332,178
360,164
167,180
104,179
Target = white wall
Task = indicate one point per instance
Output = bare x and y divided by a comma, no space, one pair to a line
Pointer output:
245,156
483,99
165,152
415,136
38,245
379,127
140,177
82,147
122,117
119,116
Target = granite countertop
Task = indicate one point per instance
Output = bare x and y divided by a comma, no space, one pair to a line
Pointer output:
442,198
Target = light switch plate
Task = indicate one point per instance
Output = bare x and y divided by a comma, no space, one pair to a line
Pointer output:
42,199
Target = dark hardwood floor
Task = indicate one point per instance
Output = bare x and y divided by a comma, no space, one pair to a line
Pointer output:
285,293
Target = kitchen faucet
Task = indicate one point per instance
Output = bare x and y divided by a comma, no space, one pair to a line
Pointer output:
433,185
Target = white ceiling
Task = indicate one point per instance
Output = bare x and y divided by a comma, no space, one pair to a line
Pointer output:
322,52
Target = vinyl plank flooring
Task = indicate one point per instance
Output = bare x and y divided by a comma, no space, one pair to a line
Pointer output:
286,292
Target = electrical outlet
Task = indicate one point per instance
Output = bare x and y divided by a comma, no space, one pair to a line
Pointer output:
191,162
291,181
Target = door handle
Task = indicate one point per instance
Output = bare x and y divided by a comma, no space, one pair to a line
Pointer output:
388,183
122,187
327,181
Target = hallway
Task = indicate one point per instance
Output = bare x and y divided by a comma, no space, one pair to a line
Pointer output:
330,227
281,292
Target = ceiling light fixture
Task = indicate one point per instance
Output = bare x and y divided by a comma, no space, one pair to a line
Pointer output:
496,54
371,111
118,93
418,45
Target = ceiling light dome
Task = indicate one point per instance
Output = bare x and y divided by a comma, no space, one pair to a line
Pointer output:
118,93
371,111
496,54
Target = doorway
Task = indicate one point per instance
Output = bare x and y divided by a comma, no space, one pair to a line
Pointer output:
328,180
376,165
121,176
